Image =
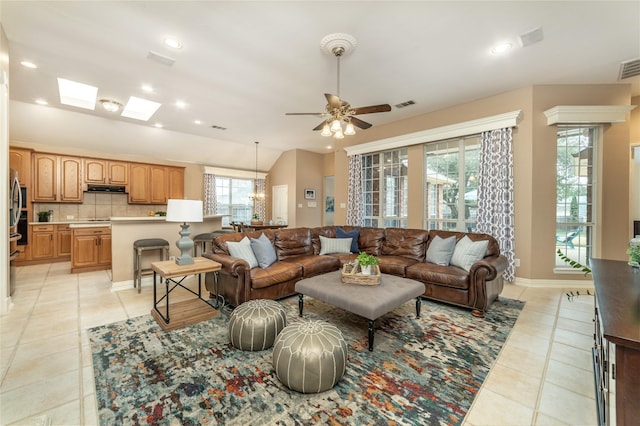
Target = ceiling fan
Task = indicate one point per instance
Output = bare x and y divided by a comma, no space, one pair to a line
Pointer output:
340,116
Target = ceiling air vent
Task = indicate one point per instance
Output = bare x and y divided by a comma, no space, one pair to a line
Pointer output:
532,37
164,60
629,69
218,127
405,104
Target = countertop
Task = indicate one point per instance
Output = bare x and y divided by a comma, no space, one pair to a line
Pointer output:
78,223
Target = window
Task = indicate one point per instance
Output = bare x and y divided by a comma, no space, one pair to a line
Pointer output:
575,194
451,184
232,198
385,188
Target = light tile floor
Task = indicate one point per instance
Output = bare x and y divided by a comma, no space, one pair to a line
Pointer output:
543,375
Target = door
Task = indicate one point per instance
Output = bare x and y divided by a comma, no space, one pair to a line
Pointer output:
280,208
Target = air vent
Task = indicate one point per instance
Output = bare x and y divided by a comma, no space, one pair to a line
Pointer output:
164,60
405,104
218,127
534,36
629,69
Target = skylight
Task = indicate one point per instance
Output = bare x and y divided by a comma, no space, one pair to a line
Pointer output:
77,94
140,109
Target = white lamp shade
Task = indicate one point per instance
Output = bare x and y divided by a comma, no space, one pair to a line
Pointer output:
184,211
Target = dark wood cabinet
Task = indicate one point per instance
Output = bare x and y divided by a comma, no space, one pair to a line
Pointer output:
616,351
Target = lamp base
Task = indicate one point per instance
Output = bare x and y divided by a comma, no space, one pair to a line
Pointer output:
185,245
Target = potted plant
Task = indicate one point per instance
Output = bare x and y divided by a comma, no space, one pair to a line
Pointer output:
43,216
367,263
255,219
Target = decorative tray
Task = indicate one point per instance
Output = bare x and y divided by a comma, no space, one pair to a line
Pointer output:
351,275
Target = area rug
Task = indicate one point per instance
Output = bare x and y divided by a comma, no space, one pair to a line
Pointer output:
423,370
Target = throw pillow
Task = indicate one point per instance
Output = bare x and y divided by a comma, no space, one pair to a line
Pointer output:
334,245
341,233
242,250
468,252
263,250
440,250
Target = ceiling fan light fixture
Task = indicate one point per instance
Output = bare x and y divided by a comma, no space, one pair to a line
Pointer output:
338,134
326,131
350,130
335,125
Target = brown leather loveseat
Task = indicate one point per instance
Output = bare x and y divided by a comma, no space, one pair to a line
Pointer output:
402,252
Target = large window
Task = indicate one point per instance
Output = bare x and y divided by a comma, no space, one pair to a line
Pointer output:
451,184
575,192
385,188
232,198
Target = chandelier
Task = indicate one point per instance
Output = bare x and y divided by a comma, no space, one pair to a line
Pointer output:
256,195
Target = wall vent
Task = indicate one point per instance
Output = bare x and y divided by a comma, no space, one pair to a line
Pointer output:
164,60
629,69
218,127
405,104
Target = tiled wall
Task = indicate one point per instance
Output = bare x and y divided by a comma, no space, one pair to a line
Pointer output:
96,206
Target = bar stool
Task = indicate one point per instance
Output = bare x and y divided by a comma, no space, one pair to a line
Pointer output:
140,246
200,241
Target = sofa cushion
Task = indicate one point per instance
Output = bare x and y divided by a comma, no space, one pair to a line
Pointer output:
292,242
276,273
263,250
353,234
314,264
468,252
405,242
394,265
440,250
325,231
334,245
242,250
431,273
370,240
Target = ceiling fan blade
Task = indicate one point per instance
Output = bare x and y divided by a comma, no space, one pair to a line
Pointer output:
333,100
319,126
372,108
359,123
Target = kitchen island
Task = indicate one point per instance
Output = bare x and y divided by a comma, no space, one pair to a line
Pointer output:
126,230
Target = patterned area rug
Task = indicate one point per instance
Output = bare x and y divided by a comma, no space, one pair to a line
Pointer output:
421,371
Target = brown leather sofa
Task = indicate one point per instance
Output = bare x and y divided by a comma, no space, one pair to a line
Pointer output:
402,252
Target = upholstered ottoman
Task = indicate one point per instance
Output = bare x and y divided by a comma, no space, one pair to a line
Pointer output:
310,356
254,325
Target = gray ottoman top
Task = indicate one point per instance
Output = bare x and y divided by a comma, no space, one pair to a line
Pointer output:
370,302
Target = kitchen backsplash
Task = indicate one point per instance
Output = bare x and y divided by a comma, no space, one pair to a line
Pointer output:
96,206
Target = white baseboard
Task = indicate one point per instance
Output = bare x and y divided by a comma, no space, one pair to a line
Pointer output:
553,283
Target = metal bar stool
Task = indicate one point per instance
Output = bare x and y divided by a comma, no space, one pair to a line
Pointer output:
200,241
139,246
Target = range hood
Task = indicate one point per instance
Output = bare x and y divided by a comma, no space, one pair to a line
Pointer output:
107,188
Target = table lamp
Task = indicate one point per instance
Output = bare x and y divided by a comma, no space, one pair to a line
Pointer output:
184,211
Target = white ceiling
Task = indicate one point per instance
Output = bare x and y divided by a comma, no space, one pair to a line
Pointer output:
244,64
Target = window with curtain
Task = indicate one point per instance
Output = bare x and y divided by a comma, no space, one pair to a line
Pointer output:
385,188
575,192
232,198
451,184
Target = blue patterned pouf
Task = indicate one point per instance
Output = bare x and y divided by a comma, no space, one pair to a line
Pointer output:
310,356
254,325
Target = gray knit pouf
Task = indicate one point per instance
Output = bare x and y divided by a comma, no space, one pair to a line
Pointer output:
310,356
254,325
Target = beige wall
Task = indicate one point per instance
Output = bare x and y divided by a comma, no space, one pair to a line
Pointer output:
534,169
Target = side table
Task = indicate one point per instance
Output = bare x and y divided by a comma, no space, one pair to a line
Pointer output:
189,311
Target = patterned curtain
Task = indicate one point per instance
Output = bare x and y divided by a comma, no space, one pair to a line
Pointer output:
354,195
261,204
495,193
210,196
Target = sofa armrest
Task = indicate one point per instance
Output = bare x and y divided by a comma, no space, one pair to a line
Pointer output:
490,267
486,283
233,265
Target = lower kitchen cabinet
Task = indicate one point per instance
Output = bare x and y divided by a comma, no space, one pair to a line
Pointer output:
91,249
42,244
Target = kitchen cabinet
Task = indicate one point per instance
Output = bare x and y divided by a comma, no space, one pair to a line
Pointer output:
42,242
57,178
155,184
20,160
91,249
105,172
62,240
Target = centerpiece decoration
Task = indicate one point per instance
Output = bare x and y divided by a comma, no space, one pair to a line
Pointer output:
255,219
363,271
367,263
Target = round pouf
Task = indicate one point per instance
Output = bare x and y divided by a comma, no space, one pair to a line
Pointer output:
254,325
310,356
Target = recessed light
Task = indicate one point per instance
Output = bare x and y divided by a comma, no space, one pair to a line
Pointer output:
147,88
501,48
110,105
197,122
77,94
181,104
158,125
28,64
329,147
140,109
41,102
172,43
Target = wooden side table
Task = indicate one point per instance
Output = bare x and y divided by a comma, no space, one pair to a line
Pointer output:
189,311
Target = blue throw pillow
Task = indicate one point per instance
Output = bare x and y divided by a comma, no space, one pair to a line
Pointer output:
263,250
341,233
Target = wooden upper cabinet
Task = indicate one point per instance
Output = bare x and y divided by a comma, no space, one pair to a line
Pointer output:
176,182
57,178
139,184
20,160
155,184
159,184
105,172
